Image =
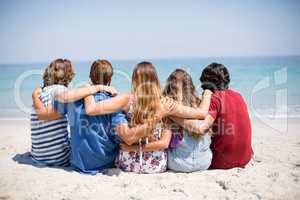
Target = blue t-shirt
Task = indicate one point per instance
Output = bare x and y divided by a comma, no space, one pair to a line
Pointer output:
94,143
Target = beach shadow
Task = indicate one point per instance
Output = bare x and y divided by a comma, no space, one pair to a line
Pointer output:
25,159
112,172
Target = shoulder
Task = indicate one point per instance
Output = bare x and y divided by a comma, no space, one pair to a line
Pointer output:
54,89
216,96
235,94
221,94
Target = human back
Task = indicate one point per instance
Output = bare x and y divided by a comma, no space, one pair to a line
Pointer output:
232,131
94,142
229,117
188,151
49,138
145,104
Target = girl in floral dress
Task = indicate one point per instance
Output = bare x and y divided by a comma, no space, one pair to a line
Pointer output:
149,155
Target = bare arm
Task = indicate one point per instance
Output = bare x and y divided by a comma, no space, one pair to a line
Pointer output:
68,96
132,135
192,113
43,113
195,126
205,102
161,144
49,113
156,145
105,107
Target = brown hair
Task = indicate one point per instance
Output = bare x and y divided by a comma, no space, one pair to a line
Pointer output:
60,71
147,93
101,72
180,87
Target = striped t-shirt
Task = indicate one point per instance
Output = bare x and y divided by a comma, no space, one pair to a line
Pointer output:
49,139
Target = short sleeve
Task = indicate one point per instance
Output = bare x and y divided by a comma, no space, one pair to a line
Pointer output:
61,108
118,118
214,107
58,89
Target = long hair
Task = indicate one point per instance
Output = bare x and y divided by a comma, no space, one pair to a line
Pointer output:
180,87
147,93
60,71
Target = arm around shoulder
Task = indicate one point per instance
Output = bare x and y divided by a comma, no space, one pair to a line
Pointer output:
196,126
106,106
161,144
192,113
43,113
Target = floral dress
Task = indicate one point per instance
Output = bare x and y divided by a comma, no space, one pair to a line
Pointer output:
140,161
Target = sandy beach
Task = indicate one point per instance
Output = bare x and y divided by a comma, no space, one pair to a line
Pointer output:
274,173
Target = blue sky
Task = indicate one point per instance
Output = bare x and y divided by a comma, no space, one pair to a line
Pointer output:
34,31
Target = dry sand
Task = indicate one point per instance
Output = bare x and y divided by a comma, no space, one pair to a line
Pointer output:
274,173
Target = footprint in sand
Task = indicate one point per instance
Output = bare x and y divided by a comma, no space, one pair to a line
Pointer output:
273,176
224,185
297,165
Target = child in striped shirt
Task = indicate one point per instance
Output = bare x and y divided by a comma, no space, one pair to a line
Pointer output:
49,138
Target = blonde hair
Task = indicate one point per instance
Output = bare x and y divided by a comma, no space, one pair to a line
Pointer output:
60,71
147,93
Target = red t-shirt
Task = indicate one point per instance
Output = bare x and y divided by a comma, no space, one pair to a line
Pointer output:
231,142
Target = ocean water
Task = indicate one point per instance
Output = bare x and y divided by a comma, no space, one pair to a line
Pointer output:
270,85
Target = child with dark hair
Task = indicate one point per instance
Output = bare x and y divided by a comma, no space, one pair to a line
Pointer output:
228,116
215,77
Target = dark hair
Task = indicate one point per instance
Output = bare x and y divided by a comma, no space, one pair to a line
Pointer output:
101,72
60,71
215,77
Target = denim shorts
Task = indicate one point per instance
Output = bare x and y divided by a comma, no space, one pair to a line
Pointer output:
191,154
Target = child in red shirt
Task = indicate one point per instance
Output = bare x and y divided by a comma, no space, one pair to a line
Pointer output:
229,119
231,141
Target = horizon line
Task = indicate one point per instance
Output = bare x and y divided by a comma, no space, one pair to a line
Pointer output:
155,58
